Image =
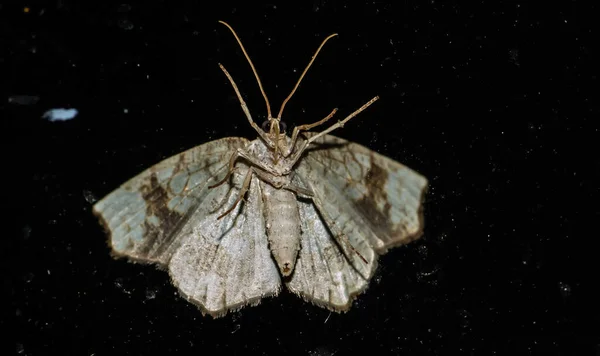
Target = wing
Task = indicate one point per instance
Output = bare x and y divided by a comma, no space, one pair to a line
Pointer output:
361,198
382,197
145,216
328,273
225,264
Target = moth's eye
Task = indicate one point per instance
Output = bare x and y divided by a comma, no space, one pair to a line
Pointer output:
265,126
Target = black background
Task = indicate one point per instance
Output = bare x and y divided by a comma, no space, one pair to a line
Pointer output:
495,102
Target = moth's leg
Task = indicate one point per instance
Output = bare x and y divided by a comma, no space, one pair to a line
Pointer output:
339,124
222,202
269,178
260,132
306,193
243,191
230,170
277,182
237,154
297,129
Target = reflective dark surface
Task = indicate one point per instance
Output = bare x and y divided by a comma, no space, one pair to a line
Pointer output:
497,104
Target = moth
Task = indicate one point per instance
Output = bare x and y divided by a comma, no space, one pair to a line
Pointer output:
232,220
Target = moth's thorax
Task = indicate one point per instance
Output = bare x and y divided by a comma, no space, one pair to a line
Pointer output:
259,149
283,226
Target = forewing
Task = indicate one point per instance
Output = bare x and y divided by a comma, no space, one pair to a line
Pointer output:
225,264
380,196
146,215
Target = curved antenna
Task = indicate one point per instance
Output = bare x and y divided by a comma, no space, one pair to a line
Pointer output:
303,73
252,66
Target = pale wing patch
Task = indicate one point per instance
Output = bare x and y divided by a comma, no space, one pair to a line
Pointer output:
226,264
324,274
146,215
381,195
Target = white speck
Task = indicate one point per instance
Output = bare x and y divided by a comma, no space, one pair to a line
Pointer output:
60,114
150,294
89,196
23,99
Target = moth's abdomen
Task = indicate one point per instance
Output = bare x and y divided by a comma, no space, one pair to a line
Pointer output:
283,227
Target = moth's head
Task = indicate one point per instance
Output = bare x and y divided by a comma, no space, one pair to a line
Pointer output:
275,128
276,131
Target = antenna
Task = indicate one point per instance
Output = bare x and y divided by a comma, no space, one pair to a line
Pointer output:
303,73
252,66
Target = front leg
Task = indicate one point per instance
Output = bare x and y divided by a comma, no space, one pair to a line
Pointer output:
339,124
287,151
260,132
